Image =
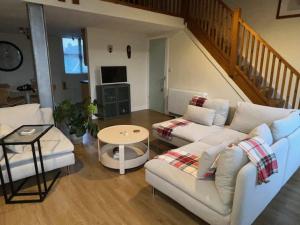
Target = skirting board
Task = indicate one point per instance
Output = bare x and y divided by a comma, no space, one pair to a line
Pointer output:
138,108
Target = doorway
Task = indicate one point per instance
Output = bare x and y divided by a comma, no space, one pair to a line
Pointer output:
157,74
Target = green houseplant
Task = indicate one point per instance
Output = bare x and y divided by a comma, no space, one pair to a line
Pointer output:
76,118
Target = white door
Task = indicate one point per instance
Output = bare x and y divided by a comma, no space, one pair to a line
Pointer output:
157,77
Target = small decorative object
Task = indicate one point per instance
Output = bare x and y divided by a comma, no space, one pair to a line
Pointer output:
25,31
110,48
25,87
136,131
27,132
124,133
75,2
76,119
11,57
116,153
128,51
288,9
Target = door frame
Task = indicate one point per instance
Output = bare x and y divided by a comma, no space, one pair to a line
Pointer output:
166,84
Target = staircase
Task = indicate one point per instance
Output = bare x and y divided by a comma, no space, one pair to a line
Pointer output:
259,70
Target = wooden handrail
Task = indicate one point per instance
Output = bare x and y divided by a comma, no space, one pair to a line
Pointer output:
265,43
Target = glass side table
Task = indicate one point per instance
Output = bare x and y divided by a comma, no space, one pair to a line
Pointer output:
33,139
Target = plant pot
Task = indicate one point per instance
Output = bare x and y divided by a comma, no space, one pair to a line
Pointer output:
76,140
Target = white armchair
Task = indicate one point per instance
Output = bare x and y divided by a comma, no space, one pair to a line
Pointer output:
57,149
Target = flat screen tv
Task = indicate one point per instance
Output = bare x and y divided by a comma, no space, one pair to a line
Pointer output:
113,74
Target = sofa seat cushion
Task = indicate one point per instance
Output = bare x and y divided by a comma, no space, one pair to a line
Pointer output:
50,163
52,143
203,191
224,135
192,132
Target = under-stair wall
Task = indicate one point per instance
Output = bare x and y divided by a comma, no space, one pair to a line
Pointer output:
191,67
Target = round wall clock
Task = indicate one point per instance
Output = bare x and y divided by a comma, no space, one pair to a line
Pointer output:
11,57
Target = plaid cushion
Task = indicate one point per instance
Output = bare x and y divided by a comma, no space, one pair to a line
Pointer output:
182,160
262,156
198,101
166,130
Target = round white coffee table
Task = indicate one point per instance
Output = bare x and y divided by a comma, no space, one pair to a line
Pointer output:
128,141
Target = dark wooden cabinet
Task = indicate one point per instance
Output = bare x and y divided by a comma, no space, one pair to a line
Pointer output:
113,100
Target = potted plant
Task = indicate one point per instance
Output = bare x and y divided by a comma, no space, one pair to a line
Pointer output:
76,119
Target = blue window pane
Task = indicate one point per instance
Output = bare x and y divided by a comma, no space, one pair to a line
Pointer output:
71,46
73,56
72,64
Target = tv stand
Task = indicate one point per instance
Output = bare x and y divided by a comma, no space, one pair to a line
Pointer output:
113,100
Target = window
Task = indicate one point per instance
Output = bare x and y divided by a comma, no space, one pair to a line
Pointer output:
73,56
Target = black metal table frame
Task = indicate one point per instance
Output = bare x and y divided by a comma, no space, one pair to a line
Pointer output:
15,191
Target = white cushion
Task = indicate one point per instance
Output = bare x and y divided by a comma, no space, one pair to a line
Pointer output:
228,165
264,132
286,126
224,134
248,116
222,108
207,159
17,116
5,130
200,115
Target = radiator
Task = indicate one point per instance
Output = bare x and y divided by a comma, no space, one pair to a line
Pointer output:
178,100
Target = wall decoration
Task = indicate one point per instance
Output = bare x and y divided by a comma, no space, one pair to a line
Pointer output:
288,9
110,48
25,31
128,49
11,57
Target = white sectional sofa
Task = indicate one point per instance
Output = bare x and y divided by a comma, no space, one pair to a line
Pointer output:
201,197
57,150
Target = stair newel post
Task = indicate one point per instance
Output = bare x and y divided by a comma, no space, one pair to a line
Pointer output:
234,41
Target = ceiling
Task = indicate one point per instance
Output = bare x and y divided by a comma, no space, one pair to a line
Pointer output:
62,21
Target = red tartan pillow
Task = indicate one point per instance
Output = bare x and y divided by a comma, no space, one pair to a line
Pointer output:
198,101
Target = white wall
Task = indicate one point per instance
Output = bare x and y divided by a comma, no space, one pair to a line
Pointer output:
73,89
26,72
282,34
191,67
137,66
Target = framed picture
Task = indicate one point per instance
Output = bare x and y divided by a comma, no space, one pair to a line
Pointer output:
288,9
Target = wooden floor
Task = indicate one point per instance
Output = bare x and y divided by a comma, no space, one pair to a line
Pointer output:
92,194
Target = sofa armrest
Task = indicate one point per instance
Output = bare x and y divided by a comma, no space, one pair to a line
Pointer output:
251,199
47,115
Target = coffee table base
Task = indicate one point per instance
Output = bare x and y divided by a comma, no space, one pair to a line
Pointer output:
130,156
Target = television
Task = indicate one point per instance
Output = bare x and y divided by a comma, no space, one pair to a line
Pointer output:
113,74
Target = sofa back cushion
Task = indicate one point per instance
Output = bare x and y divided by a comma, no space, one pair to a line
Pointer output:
228,165
248,116
207,159
200,115
286,126
264,132
16,116
221,106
